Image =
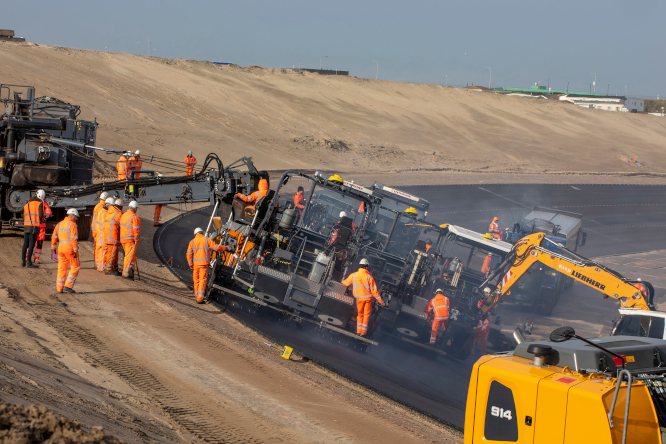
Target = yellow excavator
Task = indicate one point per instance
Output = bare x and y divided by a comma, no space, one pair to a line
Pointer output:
569,389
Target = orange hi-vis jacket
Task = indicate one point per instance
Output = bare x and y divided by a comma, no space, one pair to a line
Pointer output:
33,212
130,227
134,164
190,162
364,285
111,231
99,223
42,226
122,166
99,206
299,201
254,197
65,236
482,327
199,251
440,306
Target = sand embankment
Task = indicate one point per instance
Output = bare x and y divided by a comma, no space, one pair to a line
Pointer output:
286,119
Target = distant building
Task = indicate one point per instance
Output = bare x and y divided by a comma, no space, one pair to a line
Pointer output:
580,98
7,35
606,103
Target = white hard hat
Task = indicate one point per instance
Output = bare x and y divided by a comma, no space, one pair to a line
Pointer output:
137,152
160,175
189,153
639,279
198,230
73,212
119,202
487,290
128,153
134,205
439,290
104,195
490,254
109,200
343,214
364,261
41,194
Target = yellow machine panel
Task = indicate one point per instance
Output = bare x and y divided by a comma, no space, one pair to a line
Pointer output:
512,400
506,399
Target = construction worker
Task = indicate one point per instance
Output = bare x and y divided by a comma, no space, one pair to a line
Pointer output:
130,233
253,198
41,237
100,249
428,245
299,199
481,334
190,162
157,213
93,225
494,229
123,165
485,268
135,163
33,213
65,239
365,289
199,253
438,308
112,237
642,288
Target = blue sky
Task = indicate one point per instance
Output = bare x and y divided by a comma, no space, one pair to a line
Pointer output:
417,41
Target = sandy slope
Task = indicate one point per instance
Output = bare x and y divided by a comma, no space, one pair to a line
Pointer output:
286,119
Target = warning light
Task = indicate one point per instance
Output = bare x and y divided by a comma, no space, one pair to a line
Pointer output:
619,361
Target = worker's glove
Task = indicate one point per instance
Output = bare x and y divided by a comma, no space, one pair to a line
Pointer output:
76,254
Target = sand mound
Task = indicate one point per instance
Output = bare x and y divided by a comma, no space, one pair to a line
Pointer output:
33,424
288,119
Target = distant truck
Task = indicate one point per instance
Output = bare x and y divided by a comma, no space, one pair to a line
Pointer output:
542,286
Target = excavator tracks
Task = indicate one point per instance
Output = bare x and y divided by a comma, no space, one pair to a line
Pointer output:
194,418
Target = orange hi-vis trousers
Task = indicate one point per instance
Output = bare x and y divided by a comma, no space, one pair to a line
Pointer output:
130,258
99,255
157,214
200,276
67,259
110,258
435,328
480,338
364,307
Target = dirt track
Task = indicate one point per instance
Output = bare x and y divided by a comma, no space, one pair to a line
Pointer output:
146,363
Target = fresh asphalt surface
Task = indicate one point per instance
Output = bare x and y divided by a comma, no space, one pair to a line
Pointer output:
619,219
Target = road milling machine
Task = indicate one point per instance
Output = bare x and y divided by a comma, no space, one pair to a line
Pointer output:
460,256
292,258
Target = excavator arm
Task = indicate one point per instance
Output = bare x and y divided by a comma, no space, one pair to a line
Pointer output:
529,250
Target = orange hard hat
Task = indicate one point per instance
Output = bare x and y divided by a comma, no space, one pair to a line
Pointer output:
495,219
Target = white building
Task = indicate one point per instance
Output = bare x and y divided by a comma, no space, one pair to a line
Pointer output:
606,103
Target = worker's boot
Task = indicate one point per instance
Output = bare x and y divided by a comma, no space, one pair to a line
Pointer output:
114,273
23,264
200,300
69,290
31,265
